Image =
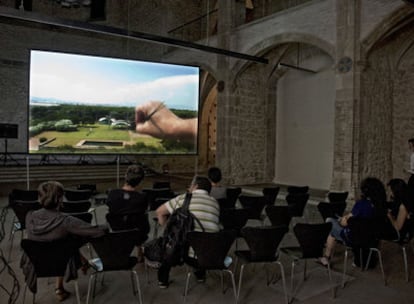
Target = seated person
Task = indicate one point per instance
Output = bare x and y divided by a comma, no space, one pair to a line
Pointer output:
217,191
48,224
204,207
128,206
371,203
400,209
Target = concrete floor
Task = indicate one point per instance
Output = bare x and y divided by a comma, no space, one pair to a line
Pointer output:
362,287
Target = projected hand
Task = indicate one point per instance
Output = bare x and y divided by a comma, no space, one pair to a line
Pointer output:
155,119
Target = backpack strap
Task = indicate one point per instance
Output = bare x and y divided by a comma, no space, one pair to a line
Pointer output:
186,206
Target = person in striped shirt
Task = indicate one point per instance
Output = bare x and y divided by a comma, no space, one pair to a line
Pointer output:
204,207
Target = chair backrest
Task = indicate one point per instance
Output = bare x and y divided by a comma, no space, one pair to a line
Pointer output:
126,221
77,195
337,196
264,241
297,203
76,206
21,208
312,238
232,194
23,195
225,203
211,248
115,248
297,189
84,216
161,185
270,193
255,204
233,218
91,187
154,194
331,209
363,232
50,258
278,215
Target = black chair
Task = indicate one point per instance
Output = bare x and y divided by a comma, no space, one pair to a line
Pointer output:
161,185
20,195
20,209
278,215
91,187
335,197
297,203
77,194
234,219
255,204
211,250
114,252
232,194
297,189
153,196
402,240
79,208
225,203
362,238
50,259
263,243
311,238
334,209
271,194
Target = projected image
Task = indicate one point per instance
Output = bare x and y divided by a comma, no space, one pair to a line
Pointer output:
88,104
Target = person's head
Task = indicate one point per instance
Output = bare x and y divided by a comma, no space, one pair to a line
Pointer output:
214,174
50,194
134,175
411,144
200,182
373,189
398,189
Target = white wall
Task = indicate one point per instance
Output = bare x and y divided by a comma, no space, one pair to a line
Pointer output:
305,125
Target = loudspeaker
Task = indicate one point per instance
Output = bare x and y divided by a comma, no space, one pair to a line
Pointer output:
8,130
98,11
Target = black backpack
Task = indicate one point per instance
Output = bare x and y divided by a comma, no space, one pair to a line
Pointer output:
175,233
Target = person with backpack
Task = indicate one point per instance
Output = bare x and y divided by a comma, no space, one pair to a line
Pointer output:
206,212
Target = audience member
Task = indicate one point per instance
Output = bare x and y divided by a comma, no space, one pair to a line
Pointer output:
128,206
371,203
217,191
401,208
49,224
204,207
411,169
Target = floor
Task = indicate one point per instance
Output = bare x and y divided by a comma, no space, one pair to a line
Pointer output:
361,287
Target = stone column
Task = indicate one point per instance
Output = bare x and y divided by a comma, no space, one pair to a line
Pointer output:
347,103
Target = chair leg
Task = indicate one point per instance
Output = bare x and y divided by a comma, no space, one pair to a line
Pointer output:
405,263
345,265
24,293
233,282
77,291
331,281
380,262
88,295
240,280
291,280
282,271
137,285
305,266
187,282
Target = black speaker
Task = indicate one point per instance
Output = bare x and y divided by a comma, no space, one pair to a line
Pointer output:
98,10
8,130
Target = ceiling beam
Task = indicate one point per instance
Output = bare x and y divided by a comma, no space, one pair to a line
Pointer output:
123,33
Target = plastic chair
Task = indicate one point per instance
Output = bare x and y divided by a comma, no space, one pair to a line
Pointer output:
232,194
211,250
114,252
50,259
76,208
334,209
225,203
311,238
297,189
278,215
297,203
20,209
263,243
255,204
234,219
271,194
161,185
335,197
77,194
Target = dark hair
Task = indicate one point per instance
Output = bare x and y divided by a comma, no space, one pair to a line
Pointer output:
411,141
214,174
202,182
399,189
50,194
373,189
134,175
